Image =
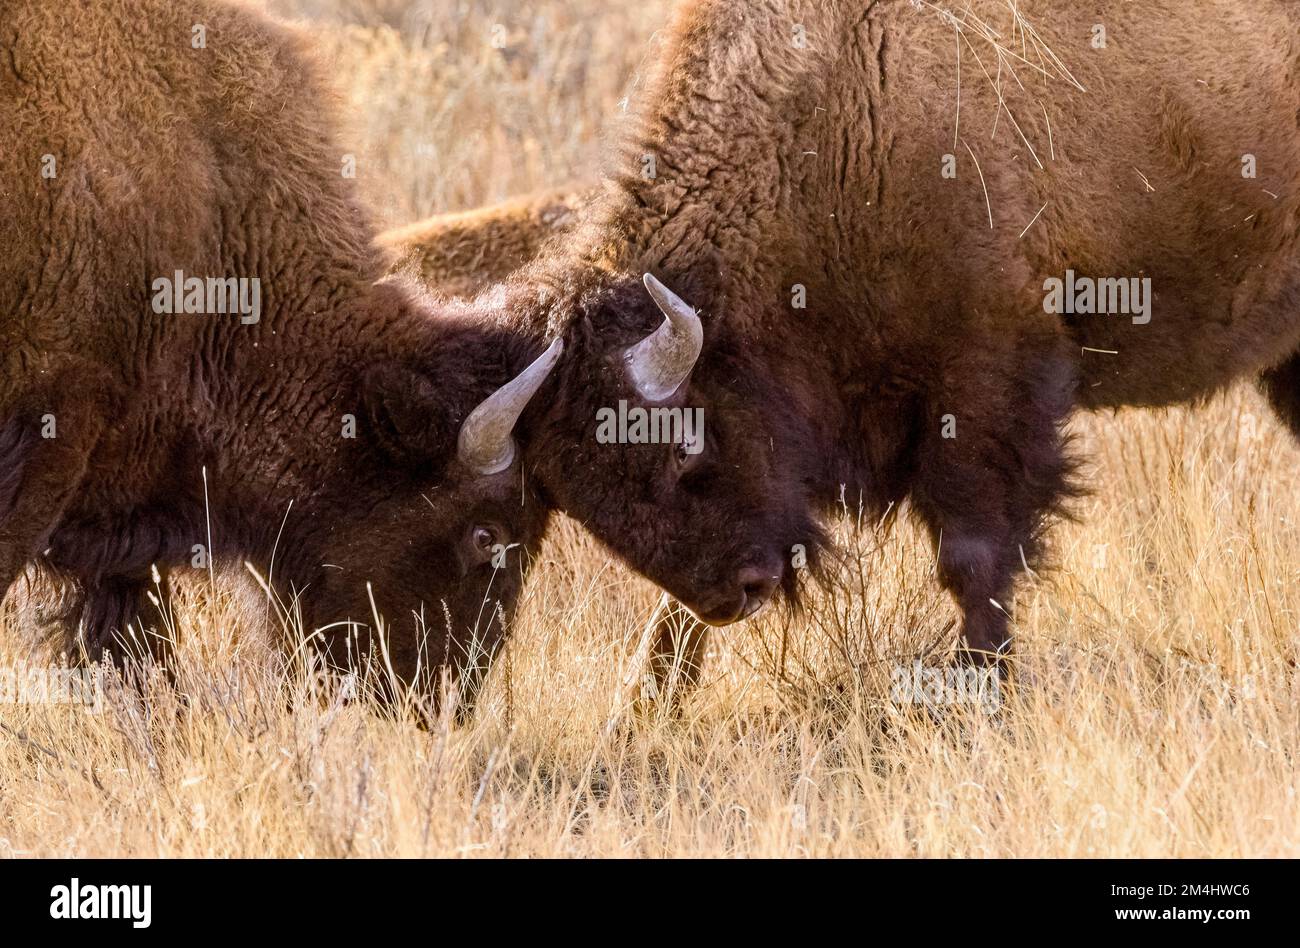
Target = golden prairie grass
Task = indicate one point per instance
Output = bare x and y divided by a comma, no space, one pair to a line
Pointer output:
1154,711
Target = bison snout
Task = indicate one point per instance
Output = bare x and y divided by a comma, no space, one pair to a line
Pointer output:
748,591
757,586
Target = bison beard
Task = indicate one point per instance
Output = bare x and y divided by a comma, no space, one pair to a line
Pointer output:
923,365
352,445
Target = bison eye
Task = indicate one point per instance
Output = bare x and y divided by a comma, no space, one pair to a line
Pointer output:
484,539
487,543
687,455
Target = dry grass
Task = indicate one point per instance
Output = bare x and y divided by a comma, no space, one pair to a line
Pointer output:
444,120
1155,712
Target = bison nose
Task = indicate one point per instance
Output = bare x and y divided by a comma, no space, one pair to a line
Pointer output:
757,584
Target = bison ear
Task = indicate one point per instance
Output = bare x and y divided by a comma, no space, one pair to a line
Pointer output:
405,417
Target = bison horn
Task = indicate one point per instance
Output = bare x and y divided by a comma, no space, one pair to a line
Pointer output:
663,360
486,442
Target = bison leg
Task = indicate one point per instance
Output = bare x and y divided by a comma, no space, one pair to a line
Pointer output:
989,475
1282,387
45,449
84,619
676,653
120,617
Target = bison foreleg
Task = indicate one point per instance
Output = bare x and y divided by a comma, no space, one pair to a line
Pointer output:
129,617
1282,386
990,473
45,446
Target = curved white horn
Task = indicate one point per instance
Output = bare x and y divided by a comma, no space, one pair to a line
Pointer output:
486,443
663,360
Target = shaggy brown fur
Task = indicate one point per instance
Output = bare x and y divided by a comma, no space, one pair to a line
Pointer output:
461,254
820,165
180,430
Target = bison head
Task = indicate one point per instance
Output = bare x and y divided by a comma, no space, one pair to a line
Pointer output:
675,446
418,555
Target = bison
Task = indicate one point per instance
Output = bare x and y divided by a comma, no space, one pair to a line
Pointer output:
464,253
201,359
874,211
